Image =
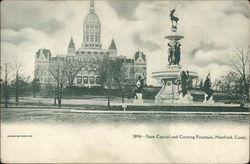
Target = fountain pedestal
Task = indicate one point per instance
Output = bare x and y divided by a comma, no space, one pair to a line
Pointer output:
139,99
169,92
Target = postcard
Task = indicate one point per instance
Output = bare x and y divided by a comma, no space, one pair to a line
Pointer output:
125,81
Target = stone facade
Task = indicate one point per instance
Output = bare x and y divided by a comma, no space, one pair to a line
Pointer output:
90,51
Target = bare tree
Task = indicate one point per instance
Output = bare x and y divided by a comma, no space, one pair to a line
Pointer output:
119,76
17,82
36,86
102,69
241,67
72,68
112,74
6,86
57,71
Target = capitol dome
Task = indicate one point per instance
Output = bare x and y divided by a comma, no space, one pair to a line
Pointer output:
92,18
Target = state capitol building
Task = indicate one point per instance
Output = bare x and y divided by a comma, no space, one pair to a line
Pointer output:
90,50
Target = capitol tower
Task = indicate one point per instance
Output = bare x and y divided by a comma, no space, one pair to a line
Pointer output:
92,29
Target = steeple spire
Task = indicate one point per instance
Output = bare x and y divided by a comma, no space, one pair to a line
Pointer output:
92,6
71,47
71,43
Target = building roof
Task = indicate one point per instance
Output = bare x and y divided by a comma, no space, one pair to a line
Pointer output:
112,46
137,54
45,52
71,43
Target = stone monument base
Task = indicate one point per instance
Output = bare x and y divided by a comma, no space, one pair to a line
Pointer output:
210,101
169,92
139,99
188,98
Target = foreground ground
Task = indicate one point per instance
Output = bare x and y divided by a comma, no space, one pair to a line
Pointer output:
86,131
32,135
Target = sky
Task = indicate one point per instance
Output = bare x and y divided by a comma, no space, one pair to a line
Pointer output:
211,30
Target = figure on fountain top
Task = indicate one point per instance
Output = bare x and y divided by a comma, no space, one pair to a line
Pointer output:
173,19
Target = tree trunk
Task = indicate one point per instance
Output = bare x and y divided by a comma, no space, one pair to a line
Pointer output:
59,103
122,98
6,95
122,95
55,96
55,100
6,87
17,89
108,98
60,96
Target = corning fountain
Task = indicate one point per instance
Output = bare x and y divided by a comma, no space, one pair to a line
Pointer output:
173,78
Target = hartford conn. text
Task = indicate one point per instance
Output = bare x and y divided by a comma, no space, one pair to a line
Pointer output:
158,136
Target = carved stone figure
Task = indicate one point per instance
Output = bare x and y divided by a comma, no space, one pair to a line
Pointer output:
170,54
139,85
177,53
174,53
207,87
184,81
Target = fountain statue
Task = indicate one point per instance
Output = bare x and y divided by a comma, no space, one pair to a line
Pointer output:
175,81
208,90
139,89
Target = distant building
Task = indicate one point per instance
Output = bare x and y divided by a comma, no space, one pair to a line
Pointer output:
42,60
90,51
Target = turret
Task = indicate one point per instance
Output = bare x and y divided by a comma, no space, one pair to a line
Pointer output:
140,64
42,60
43,55
112,49
71,47
140,57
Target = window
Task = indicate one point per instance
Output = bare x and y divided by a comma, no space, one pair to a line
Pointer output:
91,38
89,52
79,79
87,37
92,80
95,52
85,79
96,38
